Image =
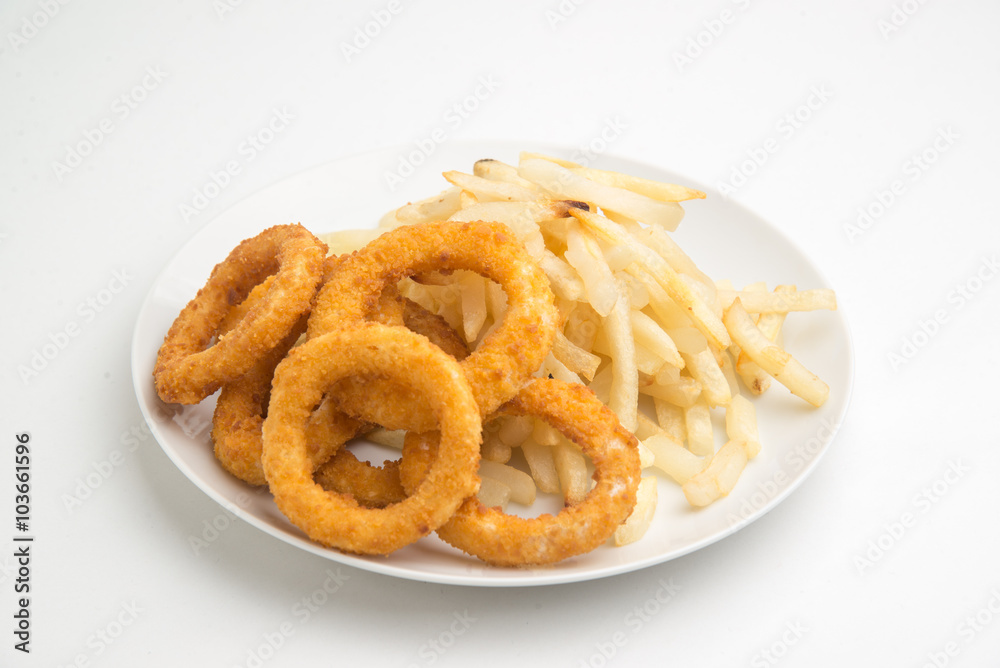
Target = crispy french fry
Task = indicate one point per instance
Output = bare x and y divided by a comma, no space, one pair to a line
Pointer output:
670,417
774,360
665,192
473,298
495,170
741,424
705,369
493,493
571,466
673,458
647,332
700,433
556,369
486,190
755,378
719,477
781,302
515,429
575,358
624,400
438,207
393,439
584,255
522,487
702,314
493,449
542,465
564,183
683,393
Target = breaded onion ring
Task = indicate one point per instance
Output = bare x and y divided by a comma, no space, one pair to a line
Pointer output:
300,381
370,485
506,357
509,540
241,407
188,367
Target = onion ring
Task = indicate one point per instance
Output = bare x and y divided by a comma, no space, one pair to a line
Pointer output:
370,485
188,367
241,407
506,357
337,520
508,540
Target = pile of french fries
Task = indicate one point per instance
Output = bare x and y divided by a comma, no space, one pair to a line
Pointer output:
659,342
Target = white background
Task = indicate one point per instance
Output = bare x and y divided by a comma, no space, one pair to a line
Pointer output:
881,557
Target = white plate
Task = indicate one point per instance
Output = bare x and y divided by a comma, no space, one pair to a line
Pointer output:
725,239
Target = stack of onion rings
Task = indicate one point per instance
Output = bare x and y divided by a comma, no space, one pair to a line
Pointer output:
290,404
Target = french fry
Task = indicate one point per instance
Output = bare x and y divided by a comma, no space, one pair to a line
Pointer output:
647,332
769,324
582,326
494,449
667,375
781,302
571,466
683,393
556,369
585,256
392,439
496,170
687,339
702,315
700,433
486,190
624,400
665,192
515,429
566,283
664,245
703,367
493,493
438,207
774,360
741,424
529,155
670,417
542,465
719,477
473,299
564,183
522,487
575,358
545,434
673,458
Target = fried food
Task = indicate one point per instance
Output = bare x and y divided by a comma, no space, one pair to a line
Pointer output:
509,540
542,300
300,381
189,367
504,359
